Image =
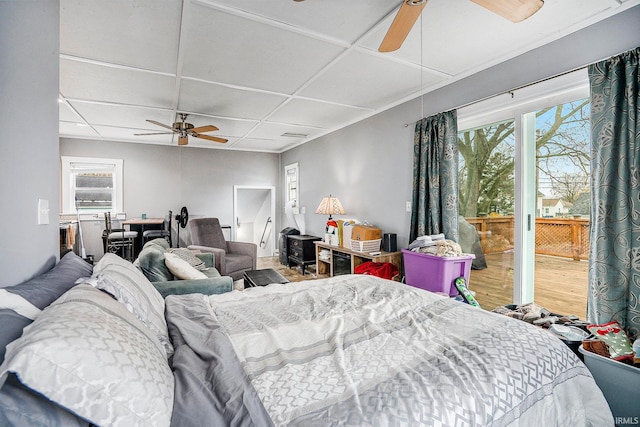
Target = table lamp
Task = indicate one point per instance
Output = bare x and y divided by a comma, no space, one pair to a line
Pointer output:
329,206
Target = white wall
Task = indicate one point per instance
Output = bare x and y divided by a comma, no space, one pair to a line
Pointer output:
29,58
368,165
159,178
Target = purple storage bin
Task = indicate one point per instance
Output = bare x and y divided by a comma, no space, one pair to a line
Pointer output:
434,273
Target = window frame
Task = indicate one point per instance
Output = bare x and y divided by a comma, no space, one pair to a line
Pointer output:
68,187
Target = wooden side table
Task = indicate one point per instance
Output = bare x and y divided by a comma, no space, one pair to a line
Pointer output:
301,250
326,265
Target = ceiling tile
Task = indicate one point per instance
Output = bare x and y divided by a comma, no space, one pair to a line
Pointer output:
253,54
338,19
221,100
127,134
86,81
368,80
267,130
122,115
315,113
265,145
140,33
73,130
66,113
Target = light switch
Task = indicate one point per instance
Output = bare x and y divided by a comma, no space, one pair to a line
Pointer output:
43,211
408,207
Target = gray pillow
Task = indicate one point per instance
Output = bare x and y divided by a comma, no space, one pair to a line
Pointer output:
44,289
38,293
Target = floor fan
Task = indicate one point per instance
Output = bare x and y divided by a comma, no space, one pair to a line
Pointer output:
182,218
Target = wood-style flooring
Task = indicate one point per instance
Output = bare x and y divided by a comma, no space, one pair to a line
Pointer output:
560,283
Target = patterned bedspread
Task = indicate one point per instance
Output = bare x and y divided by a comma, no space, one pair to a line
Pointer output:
363,351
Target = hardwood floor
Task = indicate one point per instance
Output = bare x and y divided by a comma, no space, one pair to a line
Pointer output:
561,283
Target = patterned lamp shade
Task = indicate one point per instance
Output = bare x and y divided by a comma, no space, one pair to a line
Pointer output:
330,206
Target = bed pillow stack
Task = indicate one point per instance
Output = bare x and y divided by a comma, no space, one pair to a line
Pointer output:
89,354
100,352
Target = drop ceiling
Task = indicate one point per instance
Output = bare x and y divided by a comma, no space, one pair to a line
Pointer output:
273,74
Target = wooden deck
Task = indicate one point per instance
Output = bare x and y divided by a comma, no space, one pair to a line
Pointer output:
561,283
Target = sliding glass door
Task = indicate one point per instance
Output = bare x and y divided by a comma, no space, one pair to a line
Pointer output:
523,189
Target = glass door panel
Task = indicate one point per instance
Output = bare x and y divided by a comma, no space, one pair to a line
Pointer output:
562,208
486,207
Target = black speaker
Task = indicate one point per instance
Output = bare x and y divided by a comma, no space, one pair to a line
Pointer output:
389,242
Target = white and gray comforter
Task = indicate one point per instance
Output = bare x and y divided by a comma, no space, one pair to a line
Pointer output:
363,351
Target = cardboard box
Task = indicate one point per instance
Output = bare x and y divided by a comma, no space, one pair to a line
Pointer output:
365,232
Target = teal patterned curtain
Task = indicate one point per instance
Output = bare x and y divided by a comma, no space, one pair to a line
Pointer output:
435,176
614,258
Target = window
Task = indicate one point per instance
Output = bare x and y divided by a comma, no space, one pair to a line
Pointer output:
91,185
291,185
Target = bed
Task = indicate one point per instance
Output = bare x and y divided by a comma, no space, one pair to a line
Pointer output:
352,350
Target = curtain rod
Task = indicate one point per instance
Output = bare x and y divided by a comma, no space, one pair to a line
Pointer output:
510,91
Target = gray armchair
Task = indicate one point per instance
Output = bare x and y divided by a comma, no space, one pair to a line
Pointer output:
232,258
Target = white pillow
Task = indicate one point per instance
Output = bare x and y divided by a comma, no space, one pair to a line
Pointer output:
89,354
181,268
128,285
189,256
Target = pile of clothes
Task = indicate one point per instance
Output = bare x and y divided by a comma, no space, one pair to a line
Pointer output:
437,245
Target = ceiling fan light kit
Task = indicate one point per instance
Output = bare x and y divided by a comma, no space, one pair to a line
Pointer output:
410,10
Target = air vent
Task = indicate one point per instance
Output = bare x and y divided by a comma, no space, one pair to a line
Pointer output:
294,135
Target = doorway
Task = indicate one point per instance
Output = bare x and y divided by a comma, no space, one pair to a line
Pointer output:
254,211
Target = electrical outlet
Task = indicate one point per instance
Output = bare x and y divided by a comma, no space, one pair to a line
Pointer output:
408,207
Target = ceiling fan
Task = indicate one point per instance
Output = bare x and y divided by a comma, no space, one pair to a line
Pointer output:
513,10
184,130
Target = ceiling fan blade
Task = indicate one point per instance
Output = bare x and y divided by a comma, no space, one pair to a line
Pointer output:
208,128
183,140
161,124
513,10
210,138
402,24
153,133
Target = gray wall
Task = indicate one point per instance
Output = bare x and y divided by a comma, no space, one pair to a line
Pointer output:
368,165
28,136
160,178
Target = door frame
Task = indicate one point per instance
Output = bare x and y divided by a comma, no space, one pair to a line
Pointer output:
272,202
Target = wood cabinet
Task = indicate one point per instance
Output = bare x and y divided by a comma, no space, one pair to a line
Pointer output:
326,266
301,250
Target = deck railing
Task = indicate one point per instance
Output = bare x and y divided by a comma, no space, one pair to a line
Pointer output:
564,237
